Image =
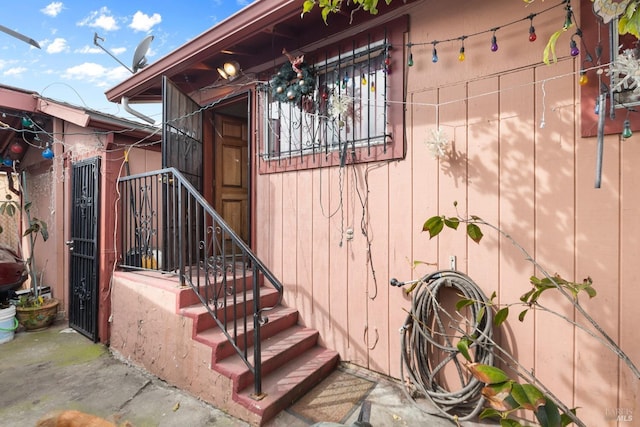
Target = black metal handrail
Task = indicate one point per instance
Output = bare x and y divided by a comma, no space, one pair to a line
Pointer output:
167,225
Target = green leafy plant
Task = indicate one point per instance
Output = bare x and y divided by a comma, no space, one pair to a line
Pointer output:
36,227
334,6
504,395
629,22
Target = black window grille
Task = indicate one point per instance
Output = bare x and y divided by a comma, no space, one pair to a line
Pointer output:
347,108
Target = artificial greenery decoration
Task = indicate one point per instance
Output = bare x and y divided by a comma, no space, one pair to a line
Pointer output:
292,82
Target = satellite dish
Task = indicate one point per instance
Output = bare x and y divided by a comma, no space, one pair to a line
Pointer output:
19,36
139,58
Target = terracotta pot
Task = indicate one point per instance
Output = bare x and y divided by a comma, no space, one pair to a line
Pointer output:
38,318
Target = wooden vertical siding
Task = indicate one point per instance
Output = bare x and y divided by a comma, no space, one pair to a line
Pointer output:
534,181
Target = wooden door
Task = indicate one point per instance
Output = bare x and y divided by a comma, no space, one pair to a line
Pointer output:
231,158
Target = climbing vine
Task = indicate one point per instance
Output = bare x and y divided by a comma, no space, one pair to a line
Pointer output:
503,394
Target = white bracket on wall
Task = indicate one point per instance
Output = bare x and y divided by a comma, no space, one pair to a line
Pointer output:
452,262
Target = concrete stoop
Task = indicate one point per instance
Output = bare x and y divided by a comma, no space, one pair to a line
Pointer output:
292,361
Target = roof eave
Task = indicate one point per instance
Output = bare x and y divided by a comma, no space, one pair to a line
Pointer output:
256,17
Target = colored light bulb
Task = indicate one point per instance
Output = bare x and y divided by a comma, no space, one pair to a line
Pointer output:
626,130
574,51
363,81
494,44
434,55
47,153
461,56
532,34
583,78
16,148
373,87
27,123
410,60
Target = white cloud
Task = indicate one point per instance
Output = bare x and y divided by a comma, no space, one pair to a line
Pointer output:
16,71
100,19
87,71
52,9
143,22
96,74
58,45
88,49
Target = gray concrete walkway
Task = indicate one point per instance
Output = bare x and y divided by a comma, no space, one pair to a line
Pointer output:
59,369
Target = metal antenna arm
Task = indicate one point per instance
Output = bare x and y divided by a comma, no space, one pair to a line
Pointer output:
95,41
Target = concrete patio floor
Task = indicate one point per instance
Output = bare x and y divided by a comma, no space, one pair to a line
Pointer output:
59,369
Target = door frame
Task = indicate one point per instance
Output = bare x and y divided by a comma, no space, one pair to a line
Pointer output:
241,102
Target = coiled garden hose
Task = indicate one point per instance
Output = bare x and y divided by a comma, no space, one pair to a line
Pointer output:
429,341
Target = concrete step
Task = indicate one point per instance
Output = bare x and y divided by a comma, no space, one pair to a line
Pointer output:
288,383
279,319
202,319
276,351
229,285
292,362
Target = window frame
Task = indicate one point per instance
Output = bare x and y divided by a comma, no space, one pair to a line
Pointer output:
595,33
393,146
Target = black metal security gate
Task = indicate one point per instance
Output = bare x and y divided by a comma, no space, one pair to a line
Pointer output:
181,149
83,269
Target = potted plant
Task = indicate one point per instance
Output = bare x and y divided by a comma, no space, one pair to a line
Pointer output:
33,311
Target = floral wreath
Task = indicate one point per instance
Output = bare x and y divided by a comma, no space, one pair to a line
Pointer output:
294,80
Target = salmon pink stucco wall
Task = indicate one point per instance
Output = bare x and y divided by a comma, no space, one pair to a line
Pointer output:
516,159
49,187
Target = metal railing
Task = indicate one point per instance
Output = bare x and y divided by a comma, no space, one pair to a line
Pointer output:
167,225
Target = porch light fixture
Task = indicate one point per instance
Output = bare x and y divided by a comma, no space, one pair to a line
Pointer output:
229,70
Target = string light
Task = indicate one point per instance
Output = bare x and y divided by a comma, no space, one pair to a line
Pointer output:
16,148
410,60
573,48
583,78
461,55
626,130
626,126
27,123
47,153
494,41
532,30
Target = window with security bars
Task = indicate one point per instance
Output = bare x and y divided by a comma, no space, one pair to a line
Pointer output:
344,107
